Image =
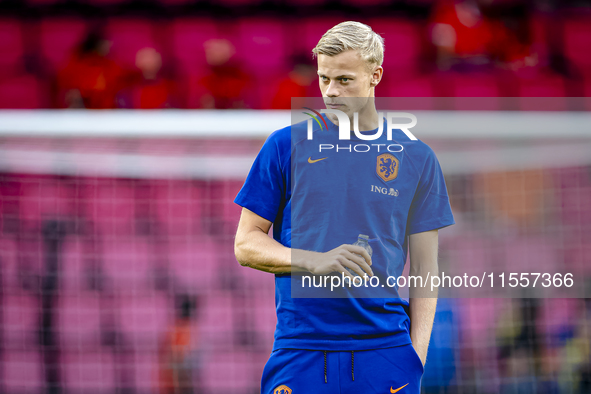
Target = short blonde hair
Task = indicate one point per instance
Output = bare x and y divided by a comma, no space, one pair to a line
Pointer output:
352,35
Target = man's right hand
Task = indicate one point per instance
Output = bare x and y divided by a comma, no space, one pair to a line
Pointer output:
336,260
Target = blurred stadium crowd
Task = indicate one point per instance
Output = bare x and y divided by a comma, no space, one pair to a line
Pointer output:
257,54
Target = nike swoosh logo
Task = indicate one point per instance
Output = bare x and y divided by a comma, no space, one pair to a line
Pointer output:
314,161
398,389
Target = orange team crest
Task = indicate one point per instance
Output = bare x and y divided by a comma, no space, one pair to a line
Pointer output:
387,167
283,389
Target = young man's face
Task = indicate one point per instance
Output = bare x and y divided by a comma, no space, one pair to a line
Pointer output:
347,75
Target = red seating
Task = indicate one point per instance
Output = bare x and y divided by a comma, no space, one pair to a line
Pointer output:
587,94
178,206
175,2
477,316
110,205
216,318
574,193
366,3
574,190
22,372
230,211
219,202
402,41
194,263
146,370
106,3
23,92
79,322
231,372
263,308
238,3
475,86
88,372
58,40
471,254
20,321
421,88
74,275
42,2
31,265
528,254
128,37
9,197
8,266
45,197
127,263
11,47
304,3
551,86
577,35
539,27
542,86
188,37
261,46
144,320
466,87
305,34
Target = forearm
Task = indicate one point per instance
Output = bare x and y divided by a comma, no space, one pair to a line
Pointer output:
422,313
423,299
254,248
259,251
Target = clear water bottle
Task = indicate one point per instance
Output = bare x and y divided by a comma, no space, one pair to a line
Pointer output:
363,241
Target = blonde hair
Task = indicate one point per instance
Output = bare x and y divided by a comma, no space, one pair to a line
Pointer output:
352,35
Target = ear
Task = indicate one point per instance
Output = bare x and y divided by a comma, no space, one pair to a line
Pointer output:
376,76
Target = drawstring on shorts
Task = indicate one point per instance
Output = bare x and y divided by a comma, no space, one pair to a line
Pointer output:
325,379
352,366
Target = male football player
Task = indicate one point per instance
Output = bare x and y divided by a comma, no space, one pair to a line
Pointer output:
318,203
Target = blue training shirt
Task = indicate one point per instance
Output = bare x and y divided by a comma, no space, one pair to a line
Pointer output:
321,204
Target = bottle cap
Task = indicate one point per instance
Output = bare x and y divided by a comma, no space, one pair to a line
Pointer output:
363,236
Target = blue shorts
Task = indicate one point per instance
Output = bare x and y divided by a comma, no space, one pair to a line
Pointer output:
382,371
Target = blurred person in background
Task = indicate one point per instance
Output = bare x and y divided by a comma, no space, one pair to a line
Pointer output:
178,372
296,84
224,85
151,90
549,370
576,366
466,39
90,79
519,346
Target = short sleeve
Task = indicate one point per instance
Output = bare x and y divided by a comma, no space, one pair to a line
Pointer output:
430,208
265,184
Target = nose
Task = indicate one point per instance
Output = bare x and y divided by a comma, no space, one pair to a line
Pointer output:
333,89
